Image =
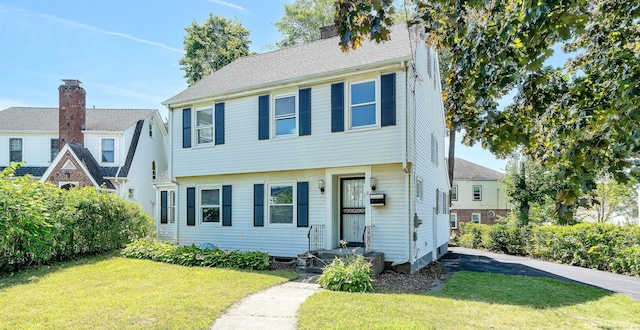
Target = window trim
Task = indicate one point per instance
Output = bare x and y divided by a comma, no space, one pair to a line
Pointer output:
196,128
296,114
131,194
294,201
479,218
454,187
199,205
455,216
51,149
419,189
348,106
151,128
21,149
473,194
102,151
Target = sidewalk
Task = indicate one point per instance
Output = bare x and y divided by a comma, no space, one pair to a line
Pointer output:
274,308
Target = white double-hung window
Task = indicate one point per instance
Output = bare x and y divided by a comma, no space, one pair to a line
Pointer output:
204,126
284,118
210,205
281,203
363,104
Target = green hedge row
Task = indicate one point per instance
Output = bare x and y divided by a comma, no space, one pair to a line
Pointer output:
192,256
592,245
40,223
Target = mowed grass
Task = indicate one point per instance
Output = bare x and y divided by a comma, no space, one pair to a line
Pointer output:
111,292
472,300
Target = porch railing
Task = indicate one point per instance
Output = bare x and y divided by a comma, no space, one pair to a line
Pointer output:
367,237
316,236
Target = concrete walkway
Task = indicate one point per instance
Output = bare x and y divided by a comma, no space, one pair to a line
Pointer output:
484,261
273,308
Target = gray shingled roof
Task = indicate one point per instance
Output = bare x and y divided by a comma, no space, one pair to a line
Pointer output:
46,119
465,170
90,162
24,170
320,57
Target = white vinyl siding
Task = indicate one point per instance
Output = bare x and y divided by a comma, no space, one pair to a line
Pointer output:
319,150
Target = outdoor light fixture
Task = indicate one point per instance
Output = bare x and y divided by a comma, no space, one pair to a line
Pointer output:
373,183
321,185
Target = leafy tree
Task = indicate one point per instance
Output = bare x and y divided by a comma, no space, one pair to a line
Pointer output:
581,119
212,45
302,21
531,187
611,199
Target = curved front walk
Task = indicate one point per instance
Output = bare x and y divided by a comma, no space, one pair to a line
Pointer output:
484,261
273,308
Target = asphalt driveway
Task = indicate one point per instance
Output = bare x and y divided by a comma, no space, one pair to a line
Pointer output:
458,259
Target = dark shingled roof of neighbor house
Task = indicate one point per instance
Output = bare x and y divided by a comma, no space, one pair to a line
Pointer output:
298,62
465,170
86,157
46,119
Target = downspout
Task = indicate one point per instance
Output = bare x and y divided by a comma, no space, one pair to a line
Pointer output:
170,172
405,156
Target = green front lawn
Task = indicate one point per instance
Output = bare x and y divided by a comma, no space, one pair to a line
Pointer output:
476,301
111,292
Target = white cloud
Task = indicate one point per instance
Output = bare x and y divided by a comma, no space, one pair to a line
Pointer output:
101,31
228,4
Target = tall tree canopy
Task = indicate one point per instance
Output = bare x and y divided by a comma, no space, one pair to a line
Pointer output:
302,21
212,45
581,118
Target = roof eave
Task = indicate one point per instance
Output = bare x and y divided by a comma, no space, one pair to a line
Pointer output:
395,63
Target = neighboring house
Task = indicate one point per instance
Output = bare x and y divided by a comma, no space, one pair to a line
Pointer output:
120,150
476,195
300,148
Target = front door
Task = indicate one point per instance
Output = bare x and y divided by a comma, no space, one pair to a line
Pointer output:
352,217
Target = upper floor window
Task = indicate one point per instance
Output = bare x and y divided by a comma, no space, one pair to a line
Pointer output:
285,115
210,205
454,193
419,190
153,170
15,150
54,148
281,202
204,126
151,128
108,148
363,104
434,149
477,193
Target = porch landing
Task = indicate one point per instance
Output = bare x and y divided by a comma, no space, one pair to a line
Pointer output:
315,261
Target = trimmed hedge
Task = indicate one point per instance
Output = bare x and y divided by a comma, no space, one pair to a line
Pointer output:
40,223
592,245
192,256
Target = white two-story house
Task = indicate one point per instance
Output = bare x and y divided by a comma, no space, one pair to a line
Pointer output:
308,148
476,195
120,150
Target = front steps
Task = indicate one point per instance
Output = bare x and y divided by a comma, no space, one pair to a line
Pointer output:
315,261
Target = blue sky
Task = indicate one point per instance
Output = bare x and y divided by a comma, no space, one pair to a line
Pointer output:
125,52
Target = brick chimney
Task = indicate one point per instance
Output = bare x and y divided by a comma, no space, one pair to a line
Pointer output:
328,31
72,112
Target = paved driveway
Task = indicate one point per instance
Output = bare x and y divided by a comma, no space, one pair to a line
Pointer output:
483,261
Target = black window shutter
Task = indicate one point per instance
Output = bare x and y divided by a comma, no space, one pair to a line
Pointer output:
186,128
219,123
304,109
191,206
226,205
263,117
163,206
337,107
258,205
388,96
303,204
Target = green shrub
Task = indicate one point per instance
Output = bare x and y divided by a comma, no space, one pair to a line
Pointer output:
193,256
473,235
352,274
40,222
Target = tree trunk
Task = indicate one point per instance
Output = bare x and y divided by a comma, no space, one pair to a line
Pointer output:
452,154
524,204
